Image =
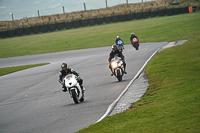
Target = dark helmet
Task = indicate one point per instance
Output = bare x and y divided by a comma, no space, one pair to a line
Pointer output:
64,66
114,47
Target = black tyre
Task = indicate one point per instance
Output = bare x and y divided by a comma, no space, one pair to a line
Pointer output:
74,96
119,77
136,46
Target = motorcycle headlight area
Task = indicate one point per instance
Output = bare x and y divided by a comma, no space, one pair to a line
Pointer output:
114,64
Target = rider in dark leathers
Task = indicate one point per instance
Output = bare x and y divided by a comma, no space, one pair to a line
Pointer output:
133,36
117,39
116,51
65,71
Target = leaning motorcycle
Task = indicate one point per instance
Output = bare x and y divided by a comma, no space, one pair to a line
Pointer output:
74,88
117,67
135,43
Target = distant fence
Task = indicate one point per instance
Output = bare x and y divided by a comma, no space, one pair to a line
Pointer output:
93,21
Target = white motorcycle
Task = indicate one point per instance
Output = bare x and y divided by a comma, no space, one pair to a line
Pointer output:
117,67
74,88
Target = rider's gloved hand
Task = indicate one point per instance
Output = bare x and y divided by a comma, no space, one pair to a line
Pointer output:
78,78
62,82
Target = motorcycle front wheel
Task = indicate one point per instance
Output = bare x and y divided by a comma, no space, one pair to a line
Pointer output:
119,77
74,96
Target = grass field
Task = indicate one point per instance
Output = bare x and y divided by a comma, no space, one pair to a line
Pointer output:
169,28
171,103
7,70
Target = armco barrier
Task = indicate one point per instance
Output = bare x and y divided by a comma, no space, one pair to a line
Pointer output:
19,32
162,12
35,29
11,33
84,22
94,21
100,21
27,31
44,28
170,12
138,15
145,14
52,27
76,23
123,18
60,25
115,18
184,10
154,13
68,25
130,16
3,34
194,8
177,11
107,20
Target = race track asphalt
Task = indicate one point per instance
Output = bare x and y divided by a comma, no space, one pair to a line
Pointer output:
31,100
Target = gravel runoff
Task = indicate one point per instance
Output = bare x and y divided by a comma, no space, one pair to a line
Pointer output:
137,88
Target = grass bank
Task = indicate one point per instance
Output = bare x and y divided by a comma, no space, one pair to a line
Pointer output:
169,28
171,102
7,70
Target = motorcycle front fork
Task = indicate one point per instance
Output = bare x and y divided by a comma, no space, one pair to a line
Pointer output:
69,92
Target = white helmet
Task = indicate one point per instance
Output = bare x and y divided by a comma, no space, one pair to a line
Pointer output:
117,36
132,33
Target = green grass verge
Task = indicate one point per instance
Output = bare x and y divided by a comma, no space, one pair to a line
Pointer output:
7,70
171,102
157,29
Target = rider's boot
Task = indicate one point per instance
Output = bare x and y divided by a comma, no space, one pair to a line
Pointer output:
110,69
111,72
64,89
125,71
124,67
82,88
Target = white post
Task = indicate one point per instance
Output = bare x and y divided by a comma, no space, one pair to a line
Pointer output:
12,16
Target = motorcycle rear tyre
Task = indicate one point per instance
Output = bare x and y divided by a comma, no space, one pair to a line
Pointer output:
136,45
74,96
